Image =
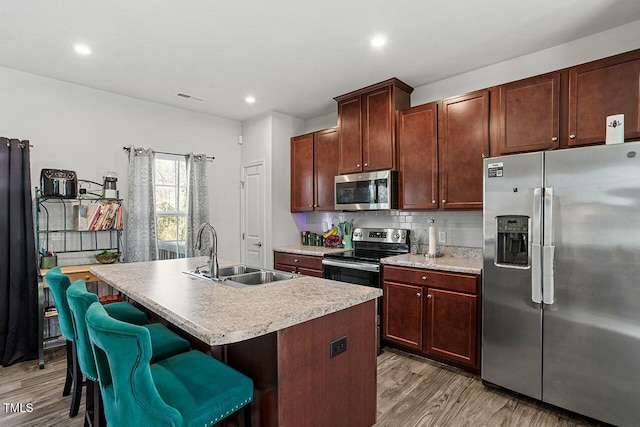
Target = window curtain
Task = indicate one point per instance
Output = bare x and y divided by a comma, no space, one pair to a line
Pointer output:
18,266
141,242
197,202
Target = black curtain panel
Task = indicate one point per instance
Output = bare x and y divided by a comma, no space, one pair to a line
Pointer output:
18,268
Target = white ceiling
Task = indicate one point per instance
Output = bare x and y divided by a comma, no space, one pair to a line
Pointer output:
294,56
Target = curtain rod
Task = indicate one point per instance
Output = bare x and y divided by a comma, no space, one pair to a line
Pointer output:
127,149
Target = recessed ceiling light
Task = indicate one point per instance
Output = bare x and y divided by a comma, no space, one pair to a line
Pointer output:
378,41
82,49
250,99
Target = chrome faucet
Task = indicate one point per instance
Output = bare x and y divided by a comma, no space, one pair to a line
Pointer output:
213,253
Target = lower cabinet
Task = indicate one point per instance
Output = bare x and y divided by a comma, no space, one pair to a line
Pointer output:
307,265
434,314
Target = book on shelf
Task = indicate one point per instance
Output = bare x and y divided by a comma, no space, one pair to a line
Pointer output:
103,216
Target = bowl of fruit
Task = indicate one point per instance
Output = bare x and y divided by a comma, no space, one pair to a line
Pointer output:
106,257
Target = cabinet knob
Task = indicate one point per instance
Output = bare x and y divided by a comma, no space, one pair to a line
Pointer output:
429,296
424,277
295,260
418,294
484,156
315,206
293,271
310,206
444,201
366,164
572,136
433,201
554,139
358,165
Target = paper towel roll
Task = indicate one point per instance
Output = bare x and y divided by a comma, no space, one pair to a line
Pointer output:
432,239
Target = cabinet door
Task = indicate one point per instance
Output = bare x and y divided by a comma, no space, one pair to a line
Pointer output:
418,157
377,131
310,272
451,326
325,163
350,135
302,173
403,314
285,268
463,141
530,114
600,89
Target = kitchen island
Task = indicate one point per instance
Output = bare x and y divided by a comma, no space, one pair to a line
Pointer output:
280,334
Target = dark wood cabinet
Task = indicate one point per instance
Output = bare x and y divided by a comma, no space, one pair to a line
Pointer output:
603,88
434,313
418,157
307,265
529,115
451,330
325,168
463,142
314,158
366,126
403,307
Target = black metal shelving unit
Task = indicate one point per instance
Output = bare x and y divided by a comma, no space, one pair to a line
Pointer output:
54,231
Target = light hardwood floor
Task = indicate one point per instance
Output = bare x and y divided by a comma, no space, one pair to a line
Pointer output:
412,391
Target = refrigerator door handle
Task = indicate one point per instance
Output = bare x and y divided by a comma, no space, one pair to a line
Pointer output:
536,274
548,249
536,248
548,289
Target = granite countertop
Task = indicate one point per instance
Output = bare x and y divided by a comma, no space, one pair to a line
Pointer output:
458,260
309,250
217,313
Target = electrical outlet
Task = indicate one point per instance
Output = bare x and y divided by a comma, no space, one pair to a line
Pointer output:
442,237
338,346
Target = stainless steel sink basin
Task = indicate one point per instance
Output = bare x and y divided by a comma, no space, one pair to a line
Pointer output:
258,278
235,270
241,275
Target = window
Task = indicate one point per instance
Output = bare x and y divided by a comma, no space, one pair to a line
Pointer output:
171,205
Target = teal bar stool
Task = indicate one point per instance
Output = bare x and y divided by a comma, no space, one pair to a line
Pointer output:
164,344
190,389
58,284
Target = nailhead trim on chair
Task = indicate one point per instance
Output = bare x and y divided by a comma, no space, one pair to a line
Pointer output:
222,416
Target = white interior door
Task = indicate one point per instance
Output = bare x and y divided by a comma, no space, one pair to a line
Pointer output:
253,215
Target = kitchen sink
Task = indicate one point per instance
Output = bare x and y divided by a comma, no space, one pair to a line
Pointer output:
235,270
242,276
258,278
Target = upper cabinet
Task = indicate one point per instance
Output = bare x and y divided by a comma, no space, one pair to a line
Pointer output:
314,163
366,126
418,157
463,142
529,114
600,89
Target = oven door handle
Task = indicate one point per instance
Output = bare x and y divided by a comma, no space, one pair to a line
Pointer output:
375,268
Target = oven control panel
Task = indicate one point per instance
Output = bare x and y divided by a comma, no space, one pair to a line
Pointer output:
382,235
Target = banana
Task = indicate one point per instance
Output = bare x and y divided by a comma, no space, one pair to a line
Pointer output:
334,230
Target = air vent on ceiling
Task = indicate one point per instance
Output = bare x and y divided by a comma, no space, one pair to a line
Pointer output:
191,97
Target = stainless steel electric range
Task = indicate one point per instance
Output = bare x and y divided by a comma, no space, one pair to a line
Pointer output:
361,265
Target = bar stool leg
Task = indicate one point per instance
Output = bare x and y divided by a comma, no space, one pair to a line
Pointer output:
77,384
94,412
69,380
246,415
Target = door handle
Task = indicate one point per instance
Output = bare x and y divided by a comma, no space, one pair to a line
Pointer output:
548,250
258,244
536,247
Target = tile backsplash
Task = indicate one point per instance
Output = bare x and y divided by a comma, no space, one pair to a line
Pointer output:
462,228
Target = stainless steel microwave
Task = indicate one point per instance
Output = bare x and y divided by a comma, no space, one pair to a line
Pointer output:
366,191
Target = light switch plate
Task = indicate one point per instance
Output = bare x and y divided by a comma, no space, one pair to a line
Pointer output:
442,237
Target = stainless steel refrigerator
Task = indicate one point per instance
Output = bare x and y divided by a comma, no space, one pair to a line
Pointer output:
561,278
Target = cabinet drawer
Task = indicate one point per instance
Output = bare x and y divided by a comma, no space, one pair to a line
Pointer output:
416,276
306,261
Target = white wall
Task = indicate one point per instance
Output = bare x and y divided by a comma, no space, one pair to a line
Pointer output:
607,43
267,138
83,129
286,226
323,122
